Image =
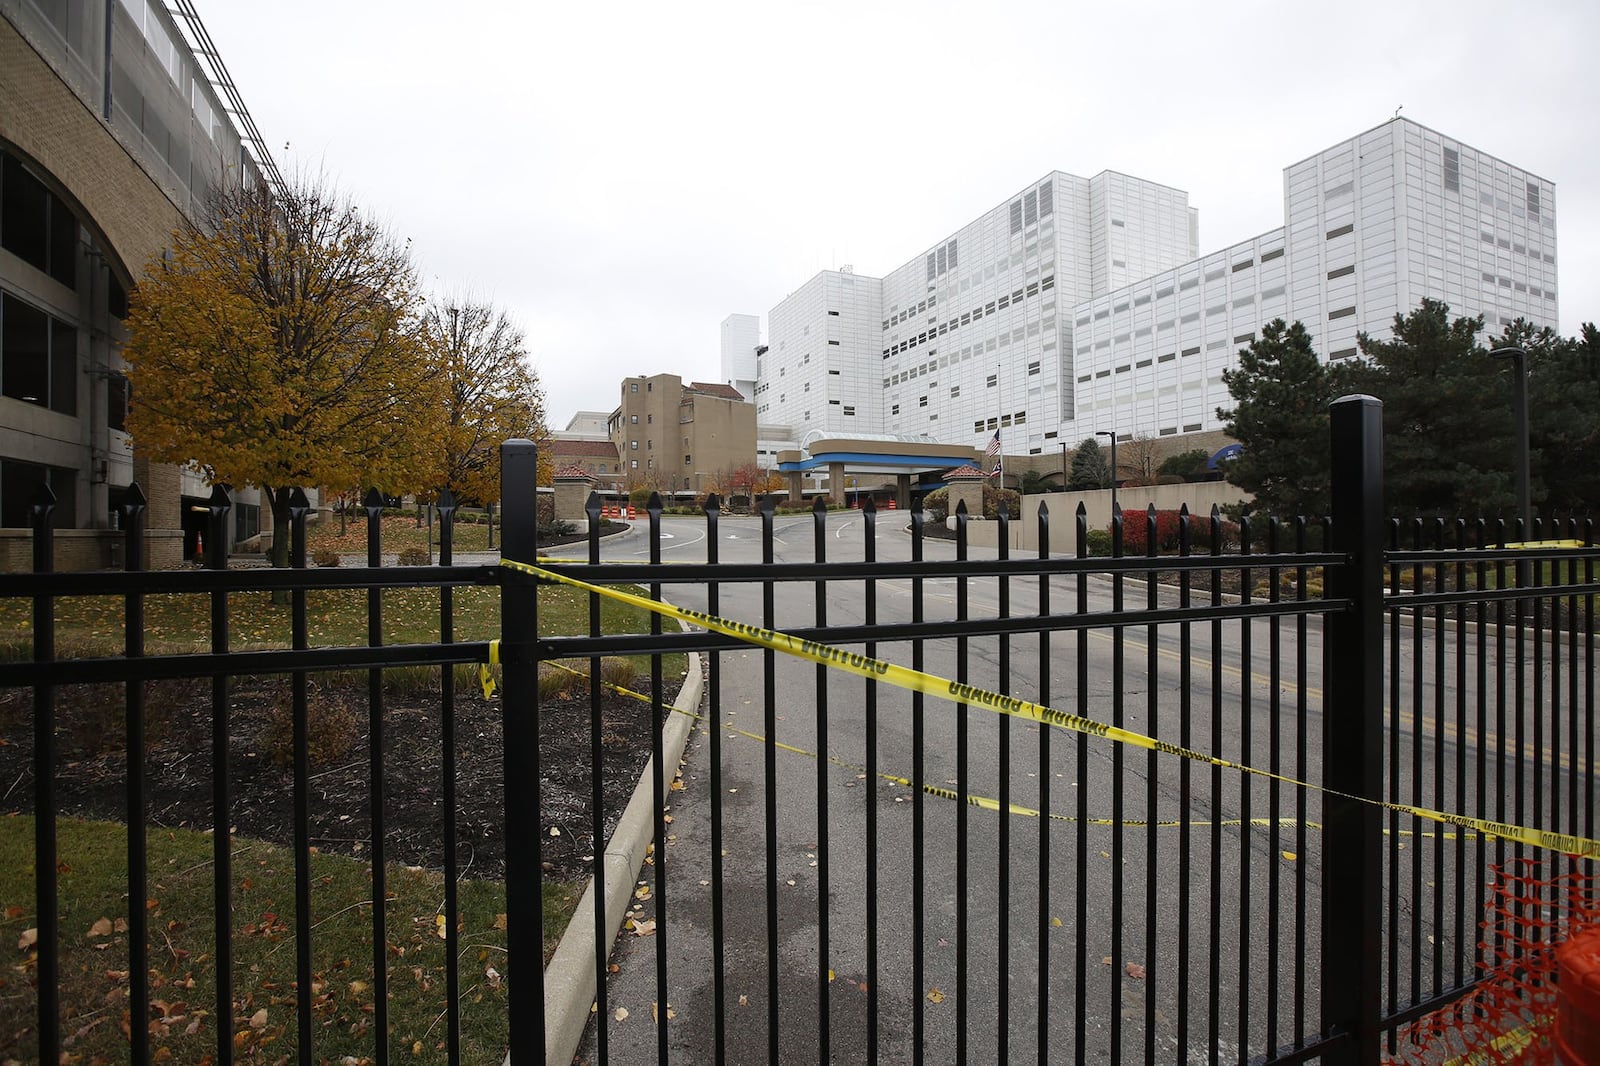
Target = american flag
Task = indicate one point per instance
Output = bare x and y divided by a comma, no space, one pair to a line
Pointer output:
993,452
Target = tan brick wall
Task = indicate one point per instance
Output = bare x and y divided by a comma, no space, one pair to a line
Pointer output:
47,122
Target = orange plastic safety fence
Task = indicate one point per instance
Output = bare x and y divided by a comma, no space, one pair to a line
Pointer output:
1534,906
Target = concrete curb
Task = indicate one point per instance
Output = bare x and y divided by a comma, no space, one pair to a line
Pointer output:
569,980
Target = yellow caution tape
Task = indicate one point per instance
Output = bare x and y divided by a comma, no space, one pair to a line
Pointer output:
971,695
1531,544
985,802
485,678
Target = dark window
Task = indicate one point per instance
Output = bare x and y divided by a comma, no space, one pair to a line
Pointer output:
1452,170
117,298
950,247
1047,199
1343,312
1276,253
1533,200
116,401
40,357
940,255
1016,217
25,216
1341,272
933,266
36,225
19,481
1030,207
1341,231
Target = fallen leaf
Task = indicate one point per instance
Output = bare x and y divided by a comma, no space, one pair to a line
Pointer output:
100,928
830,976
1106,961
744,1001
499,921
1291,856
621,1014
642,892
645,928
1135,970
1055,923
258,1020
28,938
934,995
439,924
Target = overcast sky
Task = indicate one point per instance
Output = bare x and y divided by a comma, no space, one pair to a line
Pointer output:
622,176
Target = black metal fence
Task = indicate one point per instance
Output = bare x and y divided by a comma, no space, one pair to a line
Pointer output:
846,869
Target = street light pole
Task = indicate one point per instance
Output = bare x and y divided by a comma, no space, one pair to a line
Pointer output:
1112,435
1519,398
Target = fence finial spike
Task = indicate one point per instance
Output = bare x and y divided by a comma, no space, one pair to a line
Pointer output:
373,500
135,496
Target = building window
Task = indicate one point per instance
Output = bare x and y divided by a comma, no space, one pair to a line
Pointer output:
922,401
994,379
687,461
850,412
1016,217
116,401
633,445
38,357
633,464
633,419
1533,201
633,386
18,483
1452,170
35,225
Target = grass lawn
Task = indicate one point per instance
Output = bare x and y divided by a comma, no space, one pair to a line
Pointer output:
93,905
94,950
92,625
399,532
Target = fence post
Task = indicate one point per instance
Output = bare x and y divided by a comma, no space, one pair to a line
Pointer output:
1352,740
41,512
519,621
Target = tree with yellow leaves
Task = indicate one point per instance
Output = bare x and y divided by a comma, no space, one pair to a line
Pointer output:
277,344
487,393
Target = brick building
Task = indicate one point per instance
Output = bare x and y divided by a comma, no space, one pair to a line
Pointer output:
679,438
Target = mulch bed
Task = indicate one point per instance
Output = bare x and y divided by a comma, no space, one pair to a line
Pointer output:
90,778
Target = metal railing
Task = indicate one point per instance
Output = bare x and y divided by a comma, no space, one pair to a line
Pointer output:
857,869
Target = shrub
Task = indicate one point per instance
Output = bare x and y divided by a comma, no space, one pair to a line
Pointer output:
1098,542
325,557
1136,528
619,672
413,556
332,726
640,498
556,528
554,682
936,504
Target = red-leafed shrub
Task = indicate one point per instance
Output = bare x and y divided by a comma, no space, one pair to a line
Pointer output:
1136,532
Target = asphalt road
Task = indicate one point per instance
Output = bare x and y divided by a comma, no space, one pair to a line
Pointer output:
1192,939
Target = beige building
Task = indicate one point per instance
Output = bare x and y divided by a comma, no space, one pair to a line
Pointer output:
114,127
678,438
596,458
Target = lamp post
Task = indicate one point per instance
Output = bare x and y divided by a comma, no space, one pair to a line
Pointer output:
1519,398
1112,435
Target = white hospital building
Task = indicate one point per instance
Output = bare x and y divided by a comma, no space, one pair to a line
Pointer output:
1082,304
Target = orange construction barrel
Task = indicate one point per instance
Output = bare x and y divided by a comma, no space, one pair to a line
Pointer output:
1578,1000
